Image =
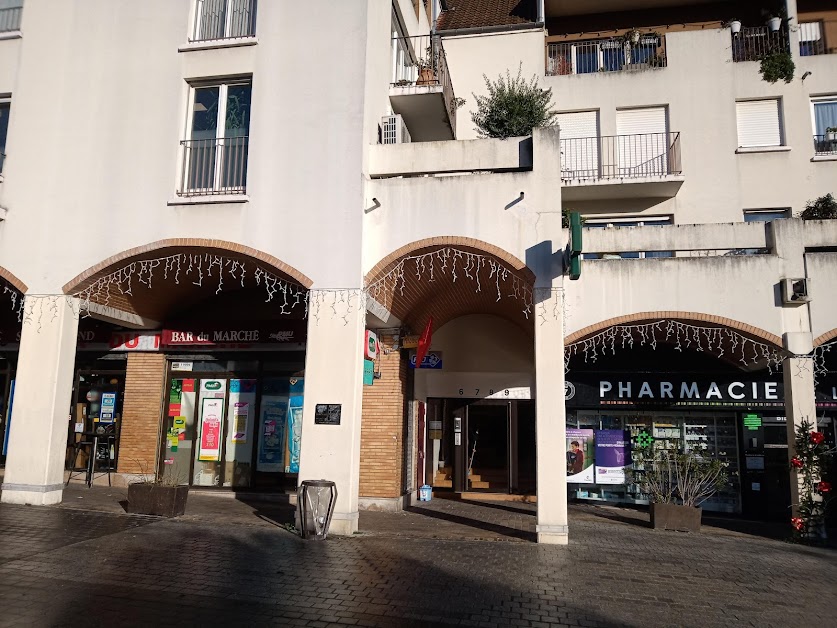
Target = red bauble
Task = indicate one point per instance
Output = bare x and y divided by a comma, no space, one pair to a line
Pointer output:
824,487
817,437
797,463
797,523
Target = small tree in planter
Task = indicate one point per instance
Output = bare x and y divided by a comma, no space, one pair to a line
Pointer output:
823,208
812,463
513,107
160,496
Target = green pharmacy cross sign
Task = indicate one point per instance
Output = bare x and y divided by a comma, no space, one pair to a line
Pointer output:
752,421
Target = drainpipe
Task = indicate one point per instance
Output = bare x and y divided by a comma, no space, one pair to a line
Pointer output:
540,11
434,15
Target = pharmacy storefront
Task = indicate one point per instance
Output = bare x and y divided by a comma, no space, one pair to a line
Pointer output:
735,417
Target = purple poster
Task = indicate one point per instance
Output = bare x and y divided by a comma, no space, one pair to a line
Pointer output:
613,456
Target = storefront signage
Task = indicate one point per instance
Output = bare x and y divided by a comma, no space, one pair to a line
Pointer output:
242,337
327,414
182,366
108,409
663,389
370,351
613,456
432,360
135,341
580,456
368,372
212,412
410,342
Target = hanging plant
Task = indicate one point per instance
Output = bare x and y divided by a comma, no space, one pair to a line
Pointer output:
777,65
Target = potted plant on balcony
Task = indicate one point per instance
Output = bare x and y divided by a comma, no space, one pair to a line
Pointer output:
427,68
160,496
774,22
734,26
831,134
633,36
777,64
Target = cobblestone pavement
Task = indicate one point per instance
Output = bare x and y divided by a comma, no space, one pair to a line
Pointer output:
64,567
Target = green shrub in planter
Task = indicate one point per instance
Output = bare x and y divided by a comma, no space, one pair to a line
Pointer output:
513,107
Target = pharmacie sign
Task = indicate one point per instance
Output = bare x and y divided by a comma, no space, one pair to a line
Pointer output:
245,334
667,389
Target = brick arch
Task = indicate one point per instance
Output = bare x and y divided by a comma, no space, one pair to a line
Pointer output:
689,317
15,283
87,277
452,241
826,337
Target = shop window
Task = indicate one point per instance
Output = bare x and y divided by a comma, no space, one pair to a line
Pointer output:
607,223
759,123
215,153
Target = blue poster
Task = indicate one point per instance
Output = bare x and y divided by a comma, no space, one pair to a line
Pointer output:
294,430
108,408
613,456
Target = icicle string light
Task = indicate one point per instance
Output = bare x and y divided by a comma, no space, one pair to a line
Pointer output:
718,340
453,263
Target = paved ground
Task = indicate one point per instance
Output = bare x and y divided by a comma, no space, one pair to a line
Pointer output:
238,566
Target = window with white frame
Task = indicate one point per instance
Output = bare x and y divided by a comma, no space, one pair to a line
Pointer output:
765,215
811,41
224,19
215,153
824,122
759,123
624,222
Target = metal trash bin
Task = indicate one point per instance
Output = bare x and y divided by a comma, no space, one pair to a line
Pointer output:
315,501
425,493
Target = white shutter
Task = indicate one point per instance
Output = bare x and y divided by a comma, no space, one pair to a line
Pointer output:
579,144
758,123
809,31
642,142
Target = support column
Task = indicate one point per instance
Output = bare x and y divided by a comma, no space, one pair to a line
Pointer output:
43,391
145,381
334,375
800,405
550,418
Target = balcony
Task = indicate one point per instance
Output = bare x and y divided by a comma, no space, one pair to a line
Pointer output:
421,89
753,44
10,18
645,165
825,145
214,167
224,20
631,53
812,41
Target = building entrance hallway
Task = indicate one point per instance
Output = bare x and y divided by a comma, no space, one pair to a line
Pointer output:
485,446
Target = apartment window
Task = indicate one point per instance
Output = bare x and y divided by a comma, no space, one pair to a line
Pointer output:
605,223
5,109
811,41
824,117
765,215
579,144
215,153
759,123
10,14
224,19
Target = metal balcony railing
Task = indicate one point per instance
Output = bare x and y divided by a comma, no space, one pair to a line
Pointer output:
614,54
753,44
621,156
214,166
811,40
825,144
10,19
421,61
224,19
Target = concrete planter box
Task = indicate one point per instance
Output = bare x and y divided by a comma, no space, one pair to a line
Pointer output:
153,499
675,517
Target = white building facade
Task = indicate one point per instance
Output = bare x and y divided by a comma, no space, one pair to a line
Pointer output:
206,205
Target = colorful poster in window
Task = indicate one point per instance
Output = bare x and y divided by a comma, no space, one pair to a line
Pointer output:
241,416
272,434
212,412
580,454
294,429
613,456
108,409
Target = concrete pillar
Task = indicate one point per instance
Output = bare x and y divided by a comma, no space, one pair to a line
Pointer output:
334,375
43,391
550,418
800,405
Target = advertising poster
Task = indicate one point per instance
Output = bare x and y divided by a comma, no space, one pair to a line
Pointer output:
294,429
108,409
613,456
241,415
580,453
272,434
212,411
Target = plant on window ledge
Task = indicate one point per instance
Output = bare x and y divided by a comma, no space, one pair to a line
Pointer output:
823,208
812,462
776,65
513,107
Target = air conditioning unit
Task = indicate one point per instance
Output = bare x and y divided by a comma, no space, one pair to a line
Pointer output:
796,291
394,131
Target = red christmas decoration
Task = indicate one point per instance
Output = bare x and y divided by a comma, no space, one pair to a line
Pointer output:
824,487
797,463
817,437
797,523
